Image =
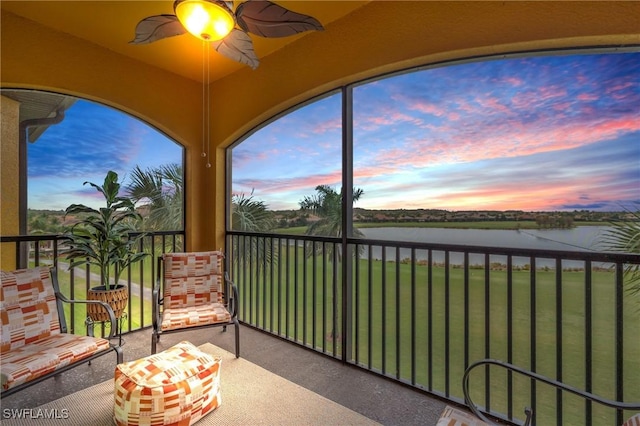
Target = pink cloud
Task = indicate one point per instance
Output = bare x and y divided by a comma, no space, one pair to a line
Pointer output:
533,99
327,126
562,106
491,104
283,185
373,171
512,81
506,140
244,158
507,194
435,110
454,116
552,92
429,108
620,86
586,97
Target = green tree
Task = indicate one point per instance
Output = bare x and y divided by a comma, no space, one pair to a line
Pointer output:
44,222
160,190
326,205
624,236
251,215
38,224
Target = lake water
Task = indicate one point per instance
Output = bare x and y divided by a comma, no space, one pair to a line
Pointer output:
581,238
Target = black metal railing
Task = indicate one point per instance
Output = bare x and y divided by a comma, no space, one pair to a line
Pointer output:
35,250
530,415
421,313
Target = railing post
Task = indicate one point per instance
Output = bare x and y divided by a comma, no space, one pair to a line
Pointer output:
347,219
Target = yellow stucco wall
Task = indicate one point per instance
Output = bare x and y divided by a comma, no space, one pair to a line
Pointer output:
382,36
9,221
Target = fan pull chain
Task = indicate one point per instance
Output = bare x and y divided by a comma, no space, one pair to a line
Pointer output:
204,112
208,106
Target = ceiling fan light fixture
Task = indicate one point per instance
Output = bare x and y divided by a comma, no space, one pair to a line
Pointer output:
205,19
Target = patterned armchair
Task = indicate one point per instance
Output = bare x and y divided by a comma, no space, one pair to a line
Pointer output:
192,291
35,344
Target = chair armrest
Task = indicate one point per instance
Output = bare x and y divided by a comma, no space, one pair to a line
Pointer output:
112,316
234,298
155,306
156,297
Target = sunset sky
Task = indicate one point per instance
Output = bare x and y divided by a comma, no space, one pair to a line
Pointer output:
536,133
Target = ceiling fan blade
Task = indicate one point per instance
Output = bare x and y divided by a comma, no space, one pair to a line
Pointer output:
156,28
229,4
239,47
267,19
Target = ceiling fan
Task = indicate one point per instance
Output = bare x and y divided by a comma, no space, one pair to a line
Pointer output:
214,21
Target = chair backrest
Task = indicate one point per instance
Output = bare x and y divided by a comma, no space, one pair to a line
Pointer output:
28,307
193,279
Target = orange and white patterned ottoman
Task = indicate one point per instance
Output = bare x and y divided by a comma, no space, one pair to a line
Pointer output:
173,387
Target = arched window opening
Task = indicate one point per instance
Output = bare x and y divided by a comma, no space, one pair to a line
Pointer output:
492,199
541,140
295,158
68,141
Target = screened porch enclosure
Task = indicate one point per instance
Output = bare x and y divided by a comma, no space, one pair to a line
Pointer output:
423,323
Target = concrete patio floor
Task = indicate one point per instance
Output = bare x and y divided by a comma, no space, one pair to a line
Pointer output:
377,398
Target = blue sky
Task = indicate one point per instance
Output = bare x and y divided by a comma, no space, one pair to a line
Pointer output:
537,133
91,140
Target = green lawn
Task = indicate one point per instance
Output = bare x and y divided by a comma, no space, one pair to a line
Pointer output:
387,313
401,309
138,311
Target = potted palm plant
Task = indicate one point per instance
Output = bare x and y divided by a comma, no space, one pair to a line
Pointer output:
101,238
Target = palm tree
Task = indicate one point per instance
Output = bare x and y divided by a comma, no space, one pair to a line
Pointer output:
624,236
161,190
326,204
250,215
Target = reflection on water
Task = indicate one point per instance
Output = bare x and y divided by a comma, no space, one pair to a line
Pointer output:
582,238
